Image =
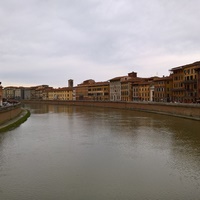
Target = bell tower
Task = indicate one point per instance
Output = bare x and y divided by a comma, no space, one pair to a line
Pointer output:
70,83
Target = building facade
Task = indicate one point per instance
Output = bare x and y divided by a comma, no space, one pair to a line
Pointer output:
65,93
9,92
183,85
163,89
115,89
27,93
190,82
178,86
186,83
143,89
121,87
198,83
19,93
99,91
81,90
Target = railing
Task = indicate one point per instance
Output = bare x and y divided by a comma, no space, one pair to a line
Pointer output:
190,81
9,107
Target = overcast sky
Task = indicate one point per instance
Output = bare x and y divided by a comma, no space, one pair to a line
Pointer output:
51,41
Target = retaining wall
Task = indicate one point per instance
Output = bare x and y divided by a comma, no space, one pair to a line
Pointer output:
176,109
10,112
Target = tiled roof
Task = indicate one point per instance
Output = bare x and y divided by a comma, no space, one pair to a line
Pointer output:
188,65
60,89
163,78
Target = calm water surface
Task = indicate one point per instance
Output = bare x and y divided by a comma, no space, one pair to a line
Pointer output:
81,153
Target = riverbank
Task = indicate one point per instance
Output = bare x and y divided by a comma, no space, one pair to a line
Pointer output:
190,111
14,122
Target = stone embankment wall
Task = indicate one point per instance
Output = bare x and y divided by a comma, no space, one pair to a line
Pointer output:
10,112
176,109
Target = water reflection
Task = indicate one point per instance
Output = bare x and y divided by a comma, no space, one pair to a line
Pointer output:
66,152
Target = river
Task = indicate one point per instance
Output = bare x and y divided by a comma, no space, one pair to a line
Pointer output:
85,153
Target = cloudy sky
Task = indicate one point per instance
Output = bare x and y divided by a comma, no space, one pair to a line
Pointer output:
51,41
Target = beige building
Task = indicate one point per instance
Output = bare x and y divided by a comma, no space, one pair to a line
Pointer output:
9,92
115,89
121,87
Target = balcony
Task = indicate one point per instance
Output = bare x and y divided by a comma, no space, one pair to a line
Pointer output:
190,81
178,89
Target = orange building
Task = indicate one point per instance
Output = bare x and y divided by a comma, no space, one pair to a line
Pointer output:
178,86
163,89
191,82
186,83
136,93
143,89
81,90
198,83
91,90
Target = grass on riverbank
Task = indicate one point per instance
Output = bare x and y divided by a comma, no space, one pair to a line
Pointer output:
16,123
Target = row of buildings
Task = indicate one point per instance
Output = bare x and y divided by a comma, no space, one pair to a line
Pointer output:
182,85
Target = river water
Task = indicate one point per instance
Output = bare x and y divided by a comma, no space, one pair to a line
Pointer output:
84,153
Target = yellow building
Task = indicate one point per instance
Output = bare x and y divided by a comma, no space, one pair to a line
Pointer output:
127,88
144,91
65,93
99,91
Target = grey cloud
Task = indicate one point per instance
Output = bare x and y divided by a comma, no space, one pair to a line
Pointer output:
73,37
